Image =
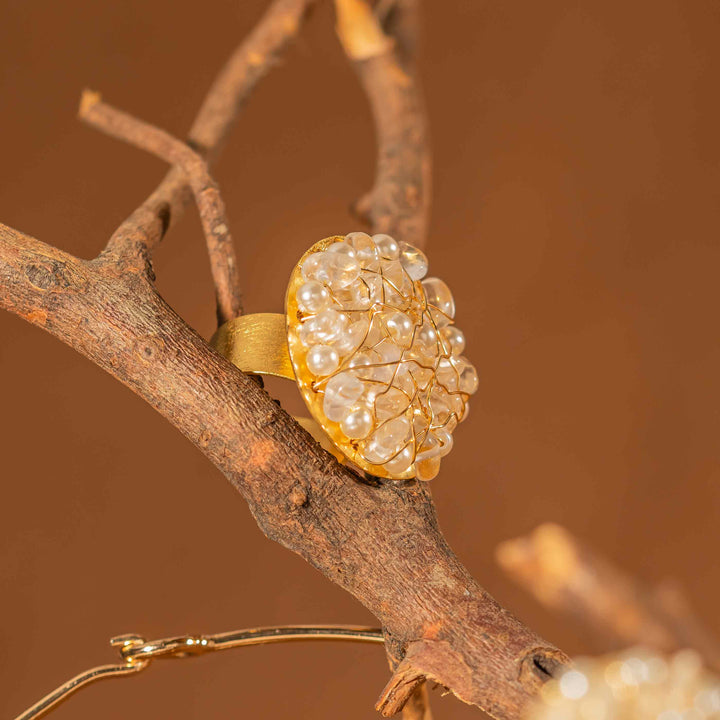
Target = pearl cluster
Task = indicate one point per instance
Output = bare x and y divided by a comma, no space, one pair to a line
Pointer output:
374,339
633,685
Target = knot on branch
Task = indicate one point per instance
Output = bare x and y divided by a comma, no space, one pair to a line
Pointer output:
55,275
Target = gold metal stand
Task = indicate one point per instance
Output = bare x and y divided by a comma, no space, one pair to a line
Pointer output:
137,653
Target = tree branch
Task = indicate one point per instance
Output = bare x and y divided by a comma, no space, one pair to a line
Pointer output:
399,201
568,577
132,244
223,263
379,540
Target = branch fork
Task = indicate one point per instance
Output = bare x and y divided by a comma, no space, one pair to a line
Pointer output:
380,542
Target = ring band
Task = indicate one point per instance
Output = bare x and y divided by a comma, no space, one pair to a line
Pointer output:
371,344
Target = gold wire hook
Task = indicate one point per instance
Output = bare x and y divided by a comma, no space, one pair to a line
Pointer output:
137,653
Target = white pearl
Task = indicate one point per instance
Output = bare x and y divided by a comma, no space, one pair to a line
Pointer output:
402,461
312,296
323,328
414,261
387,246
454,340
357,424
439,296
341,392
400,328
321,360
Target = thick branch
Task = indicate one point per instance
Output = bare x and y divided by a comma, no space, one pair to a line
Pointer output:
223,263
132,244
568,577
399,200
380,542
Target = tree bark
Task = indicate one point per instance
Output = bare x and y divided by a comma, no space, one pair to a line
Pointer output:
379,540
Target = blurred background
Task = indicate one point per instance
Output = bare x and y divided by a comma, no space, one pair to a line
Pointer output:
576,218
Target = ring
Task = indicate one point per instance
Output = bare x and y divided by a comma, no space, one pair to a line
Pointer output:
371,344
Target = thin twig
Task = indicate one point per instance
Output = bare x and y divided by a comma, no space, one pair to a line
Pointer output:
223,262
132,244
399,200
568,577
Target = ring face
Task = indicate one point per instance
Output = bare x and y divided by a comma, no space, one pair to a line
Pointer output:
376,355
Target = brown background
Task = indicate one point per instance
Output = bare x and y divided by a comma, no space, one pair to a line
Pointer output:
576,218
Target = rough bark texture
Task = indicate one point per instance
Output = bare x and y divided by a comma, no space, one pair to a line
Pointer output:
567,576
378,540
399,201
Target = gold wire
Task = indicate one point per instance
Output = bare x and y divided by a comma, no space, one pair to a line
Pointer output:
137,653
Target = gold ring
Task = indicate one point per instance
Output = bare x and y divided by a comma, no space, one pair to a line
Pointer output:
371,343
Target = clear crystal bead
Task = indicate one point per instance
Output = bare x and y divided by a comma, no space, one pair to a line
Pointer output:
387,246
426,340
323,328
429,449
365,249
453,340
336,269
468,376
438,295
354,297
353,337
389,354
387,440
402,461
399,327
447,375
440,404
414,261
362,363
341,392
398,286
427,469
390,403
445,438
342,248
